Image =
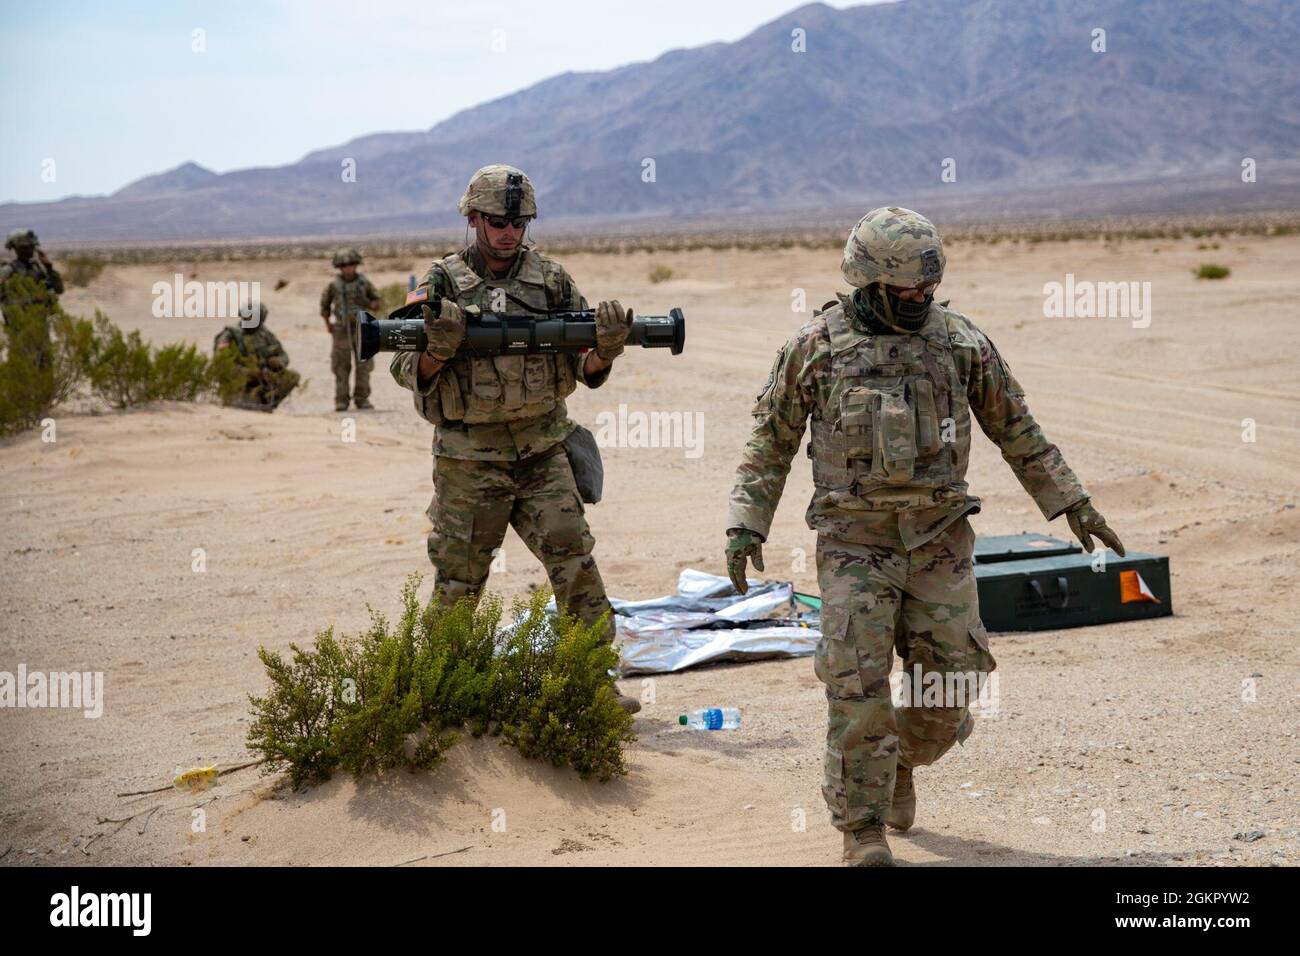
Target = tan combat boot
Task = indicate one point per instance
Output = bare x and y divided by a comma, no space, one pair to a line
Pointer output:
867,847
903,810
629,704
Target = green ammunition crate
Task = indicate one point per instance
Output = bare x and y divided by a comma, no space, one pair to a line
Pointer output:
1035,583
1017,547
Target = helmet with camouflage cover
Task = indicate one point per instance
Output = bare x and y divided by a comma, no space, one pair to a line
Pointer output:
22,238
499,190
347,257
895,246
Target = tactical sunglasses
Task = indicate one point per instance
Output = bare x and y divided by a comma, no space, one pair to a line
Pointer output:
500,222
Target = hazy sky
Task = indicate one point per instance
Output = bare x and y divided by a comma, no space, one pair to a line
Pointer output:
115,91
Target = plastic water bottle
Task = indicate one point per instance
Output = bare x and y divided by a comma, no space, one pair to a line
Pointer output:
714,718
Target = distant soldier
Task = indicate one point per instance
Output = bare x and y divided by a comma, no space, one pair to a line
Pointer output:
265,362
501,421
30,262
891,381
349,291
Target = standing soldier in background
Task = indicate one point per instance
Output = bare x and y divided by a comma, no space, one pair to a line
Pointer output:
31,262
890,380
501,422
267,379
349,291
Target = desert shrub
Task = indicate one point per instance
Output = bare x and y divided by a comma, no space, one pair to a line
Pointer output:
228,374
81,269
292,724
553,698
50,355
180,374
26,384
121,370
46,354
124,370
74,349
1211,271
393,296
660,274
388,718
396,695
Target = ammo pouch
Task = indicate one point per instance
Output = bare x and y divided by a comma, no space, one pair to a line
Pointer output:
450,400
444,403
894,454
891,426
584,459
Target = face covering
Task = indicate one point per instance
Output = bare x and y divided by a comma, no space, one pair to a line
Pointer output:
893,311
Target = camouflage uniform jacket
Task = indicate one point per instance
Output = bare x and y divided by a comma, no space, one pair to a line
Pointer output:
259,343
343,299
504,407
31,268
891,429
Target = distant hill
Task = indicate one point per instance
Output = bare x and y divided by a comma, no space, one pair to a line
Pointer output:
883,94
186,177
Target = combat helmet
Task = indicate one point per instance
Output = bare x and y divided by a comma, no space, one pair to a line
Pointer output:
894,246
499,190
347,257
22,237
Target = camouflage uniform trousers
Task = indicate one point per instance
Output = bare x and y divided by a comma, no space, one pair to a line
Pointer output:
474,503
342,356
268,390
878,599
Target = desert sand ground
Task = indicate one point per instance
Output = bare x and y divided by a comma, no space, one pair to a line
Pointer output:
1147,722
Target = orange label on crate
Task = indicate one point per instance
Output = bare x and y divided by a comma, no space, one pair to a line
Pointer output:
1133,588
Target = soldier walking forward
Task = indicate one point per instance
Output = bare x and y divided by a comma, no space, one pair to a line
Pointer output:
890,381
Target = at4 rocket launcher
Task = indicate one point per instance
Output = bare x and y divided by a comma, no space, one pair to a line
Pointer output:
493,333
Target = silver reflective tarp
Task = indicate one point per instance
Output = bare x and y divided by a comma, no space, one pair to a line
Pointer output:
706,621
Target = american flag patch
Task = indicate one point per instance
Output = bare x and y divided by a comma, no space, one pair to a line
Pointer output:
418,295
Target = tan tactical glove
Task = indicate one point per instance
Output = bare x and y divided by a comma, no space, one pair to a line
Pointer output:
612,326
445,331
742,544
1085,521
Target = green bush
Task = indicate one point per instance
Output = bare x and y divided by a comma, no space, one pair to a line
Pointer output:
81,270
74,348
124,370
1210,271
180,374
26,387
553,698
228,374
396,696
49,355
121,369
660,274
46,354
293,729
